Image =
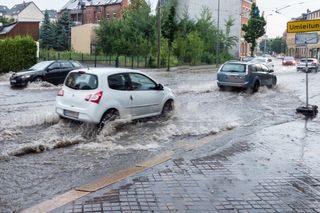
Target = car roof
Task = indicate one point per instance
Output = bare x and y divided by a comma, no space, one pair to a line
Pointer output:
238,62
107,70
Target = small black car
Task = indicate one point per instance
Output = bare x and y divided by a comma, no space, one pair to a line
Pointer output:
51,71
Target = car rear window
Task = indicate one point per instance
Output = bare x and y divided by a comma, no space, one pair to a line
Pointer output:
81,81
304,60
233,68
288,58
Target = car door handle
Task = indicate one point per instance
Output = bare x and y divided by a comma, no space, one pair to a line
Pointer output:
131,98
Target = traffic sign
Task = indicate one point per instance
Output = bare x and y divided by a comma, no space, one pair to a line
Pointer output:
303,26
307,38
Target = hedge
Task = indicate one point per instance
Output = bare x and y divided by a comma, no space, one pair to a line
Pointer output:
17,53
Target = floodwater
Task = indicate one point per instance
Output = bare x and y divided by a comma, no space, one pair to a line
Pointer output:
42,156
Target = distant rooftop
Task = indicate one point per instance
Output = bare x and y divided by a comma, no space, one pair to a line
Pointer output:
16,9
3,9
74,4
6,29
51,13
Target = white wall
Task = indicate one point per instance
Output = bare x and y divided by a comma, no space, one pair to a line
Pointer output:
31,13
228,8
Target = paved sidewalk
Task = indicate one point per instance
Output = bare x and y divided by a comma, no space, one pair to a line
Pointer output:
274,169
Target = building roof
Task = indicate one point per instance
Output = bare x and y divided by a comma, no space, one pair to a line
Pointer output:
3,9
16,9
74,4
6,29
51,13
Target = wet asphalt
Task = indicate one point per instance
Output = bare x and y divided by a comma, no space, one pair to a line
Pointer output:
42,156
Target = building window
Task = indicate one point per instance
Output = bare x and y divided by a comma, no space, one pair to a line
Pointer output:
114,15
108,16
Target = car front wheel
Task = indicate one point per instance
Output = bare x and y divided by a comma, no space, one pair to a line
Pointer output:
38,79
273,83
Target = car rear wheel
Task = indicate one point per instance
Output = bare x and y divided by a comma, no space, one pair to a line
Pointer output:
110,115
168,107
273,82
222,88
255,87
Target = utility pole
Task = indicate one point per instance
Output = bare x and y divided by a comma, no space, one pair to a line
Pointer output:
265,40
159,33
218,38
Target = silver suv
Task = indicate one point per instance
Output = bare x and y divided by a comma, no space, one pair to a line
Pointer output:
247,75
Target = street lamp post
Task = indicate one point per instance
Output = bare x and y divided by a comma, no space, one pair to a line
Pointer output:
265,40
218,42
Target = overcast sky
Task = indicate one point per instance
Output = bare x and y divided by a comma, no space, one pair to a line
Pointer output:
276,24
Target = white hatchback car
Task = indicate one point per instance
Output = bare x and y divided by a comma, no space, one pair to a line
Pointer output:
98,95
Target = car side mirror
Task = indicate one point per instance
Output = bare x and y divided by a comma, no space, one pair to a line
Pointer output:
271,71
159,87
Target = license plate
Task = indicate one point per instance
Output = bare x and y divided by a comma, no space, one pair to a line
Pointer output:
13,81
71,113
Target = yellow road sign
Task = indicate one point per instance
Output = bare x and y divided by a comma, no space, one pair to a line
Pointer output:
303,26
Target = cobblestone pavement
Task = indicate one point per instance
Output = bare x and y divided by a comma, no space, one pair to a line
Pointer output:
267,171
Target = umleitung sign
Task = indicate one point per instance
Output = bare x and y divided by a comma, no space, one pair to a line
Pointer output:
303,26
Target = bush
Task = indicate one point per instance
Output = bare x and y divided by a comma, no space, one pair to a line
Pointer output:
17,53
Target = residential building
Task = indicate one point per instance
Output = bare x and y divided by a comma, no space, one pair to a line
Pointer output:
3,10
238,10
53,15
20,29
83,38
245,16
25,12
92,11
299,51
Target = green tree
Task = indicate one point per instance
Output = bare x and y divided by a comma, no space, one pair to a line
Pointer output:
255,27
278,45
208,33
229,41
47,34
5,21
133,34
169,29
63,33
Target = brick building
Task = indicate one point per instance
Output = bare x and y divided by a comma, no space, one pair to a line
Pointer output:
245,16
92,11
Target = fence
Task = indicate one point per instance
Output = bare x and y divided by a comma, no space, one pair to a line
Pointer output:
100,60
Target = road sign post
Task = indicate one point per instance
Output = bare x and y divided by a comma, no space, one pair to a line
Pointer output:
301,27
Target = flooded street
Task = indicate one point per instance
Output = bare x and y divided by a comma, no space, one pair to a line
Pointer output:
42,156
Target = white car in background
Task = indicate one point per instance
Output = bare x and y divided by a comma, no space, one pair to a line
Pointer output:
99,95
264,60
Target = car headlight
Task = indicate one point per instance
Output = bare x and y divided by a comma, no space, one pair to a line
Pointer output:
25,76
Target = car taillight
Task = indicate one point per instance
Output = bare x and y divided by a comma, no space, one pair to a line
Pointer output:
61,92
95,98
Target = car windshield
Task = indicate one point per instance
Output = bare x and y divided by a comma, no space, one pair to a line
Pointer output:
81,81
41,65
233,68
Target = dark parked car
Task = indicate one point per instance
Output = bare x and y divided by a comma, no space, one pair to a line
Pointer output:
247,75
51,71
